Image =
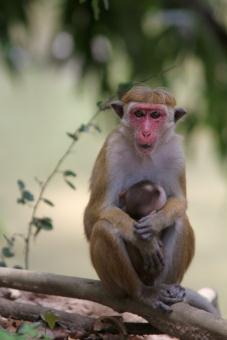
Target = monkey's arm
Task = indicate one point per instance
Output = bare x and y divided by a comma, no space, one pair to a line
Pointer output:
100,207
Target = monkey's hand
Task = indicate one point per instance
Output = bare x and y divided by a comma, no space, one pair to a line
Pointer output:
150,225
152,256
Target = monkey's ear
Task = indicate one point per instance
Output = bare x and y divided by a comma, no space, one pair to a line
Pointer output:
117,105
179,112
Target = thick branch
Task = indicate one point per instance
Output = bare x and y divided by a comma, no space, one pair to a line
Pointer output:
30,312
73,322
185,321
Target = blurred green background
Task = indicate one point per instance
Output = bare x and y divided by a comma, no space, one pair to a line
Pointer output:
57,59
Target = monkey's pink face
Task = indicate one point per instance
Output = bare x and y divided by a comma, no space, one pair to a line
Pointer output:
148,121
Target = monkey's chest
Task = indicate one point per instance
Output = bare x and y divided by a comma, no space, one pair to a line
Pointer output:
129,172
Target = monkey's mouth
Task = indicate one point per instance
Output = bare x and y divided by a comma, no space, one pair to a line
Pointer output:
145,148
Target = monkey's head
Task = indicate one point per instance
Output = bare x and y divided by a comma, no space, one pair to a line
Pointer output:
149,114
142,198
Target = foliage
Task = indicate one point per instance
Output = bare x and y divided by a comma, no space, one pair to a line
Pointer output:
26,331
150,35
44,223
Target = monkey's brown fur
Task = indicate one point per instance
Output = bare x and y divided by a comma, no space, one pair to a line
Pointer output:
145,94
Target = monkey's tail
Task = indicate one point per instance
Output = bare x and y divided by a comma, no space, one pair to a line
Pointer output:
205,299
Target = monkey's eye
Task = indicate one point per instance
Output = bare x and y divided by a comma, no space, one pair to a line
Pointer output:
155,114
139,113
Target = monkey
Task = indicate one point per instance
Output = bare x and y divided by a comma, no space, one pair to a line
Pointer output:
144,146
138,201
142,198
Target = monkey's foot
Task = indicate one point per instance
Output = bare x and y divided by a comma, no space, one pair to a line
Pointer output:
165,296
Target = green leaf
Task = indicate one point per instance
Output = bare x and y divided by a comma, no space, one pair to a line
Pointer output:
43,223
48,202
4,335
28,331
17,266
7,252
123,88
50,318
70,184
27,196
69,173
95,7
21,184
106,4
83,128
101,105
3,264
21,201
72,135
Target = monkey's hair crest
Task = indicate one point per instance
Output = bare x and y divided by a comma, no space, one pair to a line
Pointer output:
142,93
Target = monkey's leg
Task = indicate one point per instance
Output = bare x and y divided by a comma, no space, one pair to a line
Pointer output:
179,246
112,263
147,259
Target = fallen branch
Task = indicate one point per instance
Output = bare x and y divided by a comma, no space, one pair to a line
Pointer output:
74,323
184,322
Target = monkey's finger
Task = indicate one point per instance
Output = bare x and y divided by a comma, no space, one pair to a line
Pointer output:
145,236
147,217
143,229
162,306
175,289
174,293
171,300
158,260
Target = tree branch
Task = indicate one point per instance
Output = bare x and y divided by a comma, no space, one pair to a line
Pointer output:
184,321
75,324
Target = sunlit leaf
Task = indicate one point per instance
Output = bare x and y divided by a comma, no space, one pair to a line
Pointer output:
50,318
95,7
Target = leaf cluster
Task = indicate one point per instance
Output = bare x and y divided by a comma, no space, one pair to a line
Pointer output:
151,35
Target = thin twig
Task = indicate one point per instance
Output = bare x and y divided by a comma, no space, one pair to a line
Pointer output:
44,186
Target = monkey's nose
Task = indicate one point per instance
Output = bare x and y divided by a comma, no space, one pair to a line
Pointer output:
146,133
